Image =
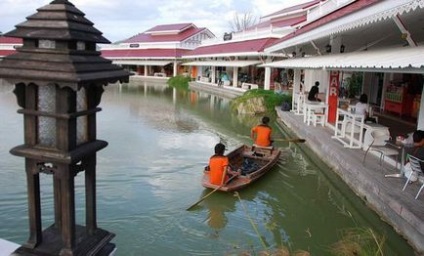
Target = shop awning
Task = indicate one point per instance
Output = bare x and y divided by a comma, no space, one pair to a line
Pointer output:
403,59
142,62
232,63
348,19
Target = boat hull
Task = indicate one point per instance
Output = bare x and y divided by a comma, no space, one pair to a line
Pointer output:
261,159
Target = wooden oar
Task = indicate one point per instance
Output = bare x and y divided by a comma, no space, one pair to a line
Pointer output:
210,193
296,140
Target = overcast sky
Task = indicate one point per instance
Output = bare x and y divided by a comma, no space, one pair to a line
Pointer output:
121,19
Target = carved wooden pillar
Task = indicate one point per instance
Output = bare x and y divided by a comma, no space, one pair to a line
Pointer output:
59,78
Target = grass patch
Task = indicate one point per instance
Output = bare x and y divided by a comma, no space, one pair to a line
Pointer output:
360,241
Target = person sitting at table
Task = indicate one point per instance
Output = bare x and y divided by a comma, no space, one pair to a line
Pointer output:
418,151
362,108
313,93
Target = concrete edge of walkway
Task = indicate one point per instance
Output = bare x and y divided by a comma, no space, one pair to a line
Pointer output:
225,91
391,210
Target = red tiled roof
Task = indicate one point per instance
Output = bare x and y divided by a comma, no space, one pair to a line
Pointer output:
171,27
256,45
6,52
294,8
348,9
144,53
10,40
149,38
280,22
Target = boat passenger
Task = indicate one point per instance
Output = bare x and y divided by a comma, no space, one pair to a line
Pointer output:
261,134
219,169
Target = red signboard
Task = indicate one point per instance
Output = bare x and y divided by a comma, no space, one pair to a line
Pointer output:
333,96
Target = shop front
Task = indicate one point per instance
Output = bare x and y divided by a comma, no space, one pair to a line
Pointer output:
392,78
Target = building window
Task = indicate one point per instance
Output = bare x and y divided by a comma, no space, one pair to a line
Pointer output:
80,46
46,44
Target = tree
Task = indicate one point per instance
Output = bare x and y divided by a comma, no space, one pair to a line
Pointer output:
242,21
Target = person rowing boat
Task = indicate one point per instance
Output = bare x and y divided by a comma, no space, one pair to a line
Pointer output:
261,134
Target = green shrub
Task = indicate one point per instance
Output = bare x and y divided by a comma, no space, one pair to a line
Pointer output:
271,98
179,82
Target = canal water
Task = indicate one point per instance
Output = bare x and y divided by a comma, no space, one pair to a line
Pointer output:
160,140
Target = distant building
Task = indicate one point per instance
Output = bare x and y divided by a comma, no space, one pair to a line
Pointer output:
238,54
157,51
8,44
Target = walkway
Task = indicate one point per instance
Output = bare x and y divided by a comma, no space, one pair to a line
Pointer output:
384,195
224,91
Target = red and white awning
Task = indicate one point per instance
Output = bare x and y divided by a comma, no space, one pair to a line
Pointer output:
233,63
142,62
375,13
401,59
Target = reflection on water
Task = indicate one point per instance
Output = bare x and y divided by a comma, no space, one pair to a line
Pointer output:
159,142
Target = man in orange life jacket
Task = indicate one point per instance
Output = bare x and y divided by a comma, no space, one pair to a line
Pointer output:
261,134
219,169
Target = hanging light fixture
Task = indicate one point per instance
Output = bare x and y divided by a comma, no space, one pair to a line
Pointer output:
328,48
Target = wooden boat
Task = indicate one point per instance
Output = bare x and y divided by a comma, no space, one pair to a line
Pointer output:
252,161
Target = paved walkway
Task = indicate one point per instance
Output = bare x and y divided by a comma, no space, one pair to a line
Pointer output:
384,195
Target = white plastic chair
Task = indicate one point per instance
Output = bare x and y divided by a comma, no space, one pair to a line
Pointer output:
371,113
415,167
318,118
379,145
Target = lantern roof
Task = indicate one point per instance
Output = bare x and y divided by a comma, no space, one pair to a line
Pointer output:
59,46
59,20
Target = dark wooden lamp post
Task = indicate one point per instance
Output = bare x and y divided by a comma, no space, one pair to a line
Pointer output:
59,77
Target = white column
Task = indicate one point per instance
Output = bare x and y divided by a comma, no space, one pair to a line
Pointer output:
175,68
296,80
146,70
213,80
235,76
267,78
386,82
296,85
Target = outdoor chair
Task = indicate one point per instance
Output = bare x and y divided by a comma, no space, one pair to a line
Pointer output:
379,145
371,114
415,167
318,118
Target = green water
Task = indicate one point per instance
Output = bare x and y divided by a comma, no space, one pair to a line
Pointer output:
159,142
